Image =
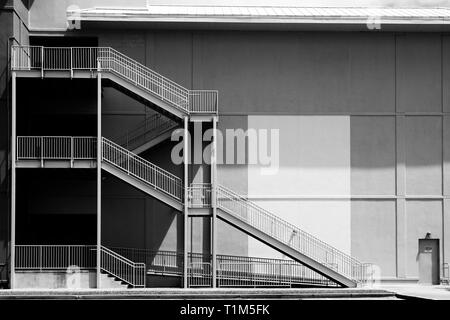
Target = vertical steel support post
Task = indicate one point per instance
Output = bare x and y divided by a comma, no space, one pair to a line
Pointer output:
99,172
214,204
13,181
186,155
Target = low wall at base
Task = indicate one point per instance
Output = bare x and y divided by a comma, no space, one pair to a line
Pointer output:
82,279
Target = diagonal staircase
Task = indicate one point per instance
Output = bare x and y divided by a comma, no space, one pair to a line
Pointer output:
153,130
142,174
232,270
124,73
176,101
119,271
288,239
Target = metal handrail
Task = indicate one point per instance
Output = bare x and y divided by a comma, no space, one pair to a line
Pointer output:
27,58
232,270
305,243
56,148
132,273
199,195
55,257
142,169
62,257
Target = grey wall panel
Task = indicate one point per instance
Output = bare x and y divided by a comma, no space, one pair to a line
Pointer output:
118,126
128,42
419,72
232,175
422,216
123,222
164,227
161,155
160,223
56,191
170,54
372,155
446,155
21,8
293,70
446,73
423,155
199,234
230,240
114,101
373,234
6,31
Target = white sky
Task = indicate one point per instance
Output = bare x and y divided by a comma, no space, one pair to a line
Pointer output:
310,3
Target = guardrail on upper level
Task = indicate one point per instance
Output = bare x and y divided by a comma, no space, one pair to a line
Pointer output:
73,59
56,148
199,195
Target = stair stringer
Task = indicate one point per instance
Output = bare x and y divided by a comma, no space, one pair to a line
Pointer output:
285,249
144,187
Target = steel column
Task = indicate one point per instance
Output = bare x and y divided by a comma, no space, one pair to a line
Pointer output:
99,172
214,204
186,213
13,181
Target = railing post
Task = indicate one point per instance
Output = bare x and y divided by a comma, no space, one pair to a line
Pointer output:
40,258
186,155
42,152
42,62
71,62
99,172
214,203
128,162
72,156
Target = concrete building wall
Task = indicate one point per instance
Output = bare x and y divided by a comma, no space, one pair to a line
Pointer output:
13,30
55,280
392,90
386,93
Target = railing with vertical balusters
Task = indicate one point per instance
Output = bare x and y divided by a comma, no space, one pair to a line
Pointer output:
84,257
55,257
56,148
142,169
26,58
132,273
301,241
232,271
199,195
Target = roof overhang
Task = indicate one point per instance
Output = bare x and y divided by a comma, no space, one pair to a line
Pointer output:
230,17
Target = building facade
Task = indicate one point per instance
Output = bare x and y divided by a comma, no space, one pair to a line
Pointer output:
346,130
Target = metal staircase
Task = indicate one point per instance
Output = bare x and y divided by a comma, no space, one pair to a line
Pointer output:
125,72
122,269
177,101
232,270
290,240
148,133
117,270
142,174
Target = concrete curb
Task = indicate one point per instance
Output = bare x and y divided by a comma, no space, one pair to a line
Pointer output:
201,294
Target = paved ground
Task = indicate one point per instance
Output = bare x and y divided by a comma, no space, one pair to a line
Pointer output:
383,292
221,294
415,291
